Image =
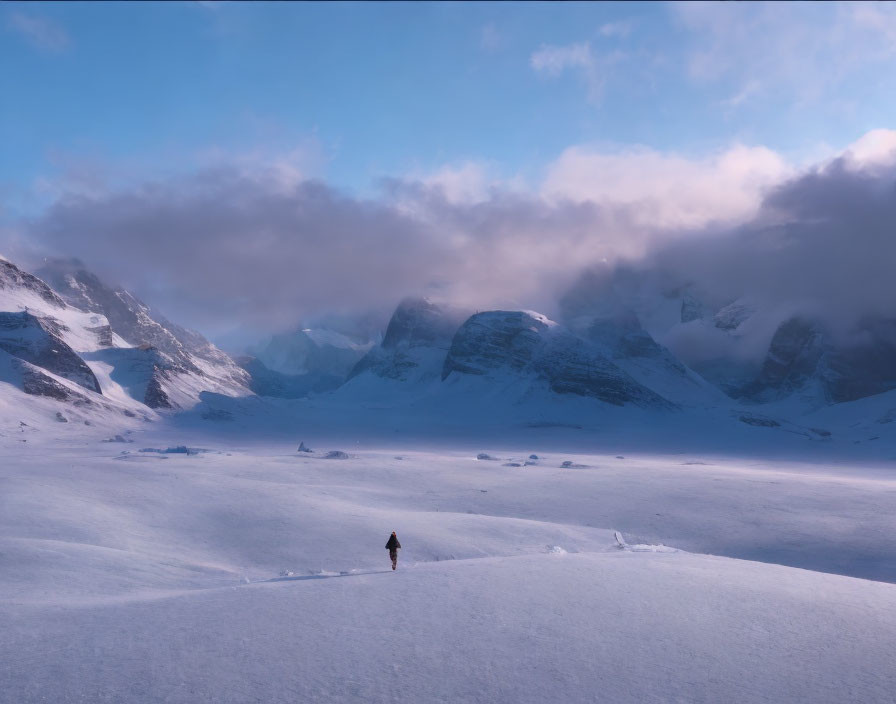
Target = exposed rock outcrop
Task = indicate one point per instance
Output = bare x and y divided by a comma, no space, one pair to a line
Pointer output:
37,340
415,344
527,344
804,356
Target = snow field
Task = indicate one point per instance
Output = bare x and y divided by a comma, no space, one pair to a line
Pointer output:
253,573
616,627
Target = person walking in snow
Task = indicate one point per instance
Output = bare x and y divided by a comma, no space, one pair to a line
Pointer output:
393,546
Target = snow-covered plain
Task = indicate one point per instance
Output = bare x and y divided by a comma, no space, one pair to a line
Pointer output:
251,572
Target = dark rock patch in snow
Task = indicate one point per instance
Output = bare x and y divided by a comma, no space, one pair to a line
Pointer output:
156,397
337,455
759,421
176,450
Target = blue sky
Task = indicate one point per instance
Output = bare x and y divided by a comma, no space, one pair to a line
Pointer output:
368,90
544,136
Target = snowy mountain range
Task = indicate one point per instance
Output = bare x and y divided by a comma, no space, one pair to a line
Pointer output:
80,345
94,350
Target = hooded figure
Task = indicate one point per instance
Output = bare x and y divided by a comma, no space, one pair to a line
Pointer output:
393,546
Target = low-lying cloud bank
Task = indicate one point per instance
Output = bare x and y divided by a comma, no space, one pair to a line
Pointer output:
225,249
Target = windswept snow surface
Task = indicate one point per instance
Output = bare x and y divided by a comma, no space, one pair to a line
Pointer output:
251,572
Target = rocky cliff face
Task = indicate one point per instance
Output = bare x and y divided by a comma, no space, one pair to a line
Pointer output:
497,340
527,344
37,340
805,357
34,381
794,358
624,339
415,344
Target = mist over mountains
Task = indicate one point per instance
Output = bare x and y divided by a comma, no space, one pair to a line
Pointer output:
232,250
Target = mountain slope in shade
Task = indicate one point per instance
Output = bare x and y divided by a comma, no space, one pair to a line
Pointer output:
622,339
805,359
315,351
529,345
416,342
269,382
37,340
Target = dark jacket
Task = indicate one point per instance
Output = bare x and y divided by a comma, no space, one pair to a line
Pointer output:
393,543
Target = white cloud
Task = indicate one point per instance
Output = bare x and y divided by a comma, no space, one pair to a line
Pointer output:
666,189
616,29
553,60
876,148
467,182
40,32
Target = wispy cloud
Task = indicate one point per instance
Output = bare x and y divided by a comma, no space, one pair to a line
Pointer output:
750,89
620,29
551,60
41,32
491,38
804,51
878,17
